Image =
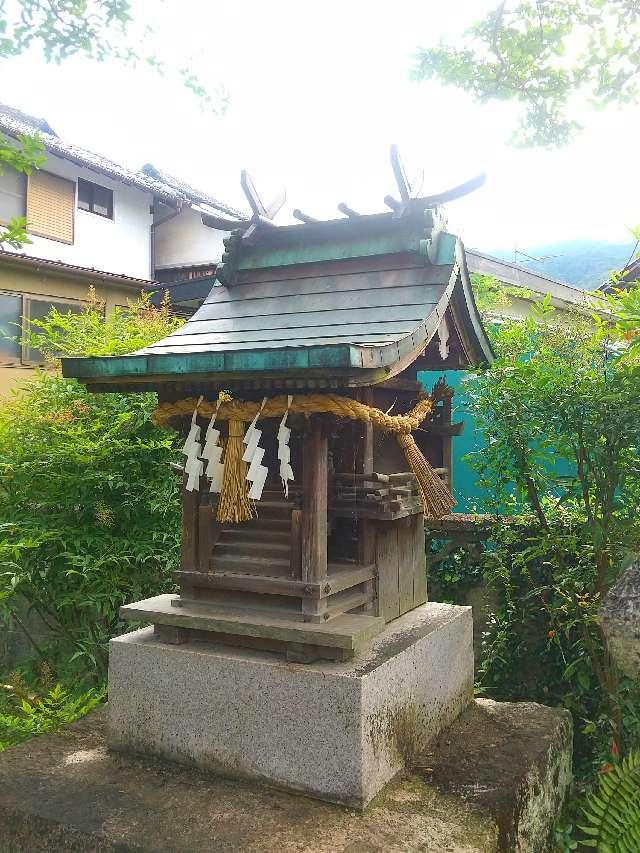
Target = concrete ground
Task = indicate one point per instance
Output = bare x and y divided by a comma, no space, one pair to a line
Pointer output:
492,782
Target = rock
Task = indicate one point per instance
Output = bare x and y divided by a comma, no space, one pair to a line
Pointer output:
619,618
509,767
511,760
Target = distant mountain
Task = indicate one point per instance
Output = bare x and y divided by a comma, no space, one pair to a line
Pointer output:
583,263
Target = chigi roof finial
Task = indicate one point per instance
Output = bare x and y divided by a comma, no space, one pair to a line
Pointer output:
262,214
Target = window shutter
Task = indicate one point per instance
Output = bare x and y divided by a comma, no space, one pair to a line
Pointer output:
50,206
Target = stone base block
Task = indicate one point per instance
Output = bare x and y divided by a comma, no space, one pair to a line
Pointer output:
337,731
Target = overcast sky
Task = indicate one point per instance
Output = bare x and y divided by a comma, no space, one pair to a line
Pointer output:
317,92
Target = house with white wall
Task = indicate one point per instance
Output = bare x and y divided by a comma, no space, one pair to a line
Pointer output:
92,221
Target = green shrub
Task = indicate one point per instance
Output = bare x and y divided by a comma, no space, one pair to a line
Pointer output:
89,509
561,410
33,715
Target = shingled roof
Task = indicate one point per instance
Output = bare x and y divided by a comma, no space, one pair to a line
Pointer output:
15,123
188,192
353,300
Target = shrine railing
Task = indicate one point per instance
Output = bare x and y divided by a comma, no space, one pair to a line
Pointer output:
385,497
458,531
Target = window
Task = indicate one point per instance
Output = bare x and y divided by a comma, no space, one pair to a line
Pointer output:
12,195
95,199
10,319
15,306
50,206
37,309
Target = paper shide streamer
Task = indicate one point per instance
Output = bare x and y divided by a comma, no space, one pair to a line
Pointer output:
193,451
212,454
284,451
253,454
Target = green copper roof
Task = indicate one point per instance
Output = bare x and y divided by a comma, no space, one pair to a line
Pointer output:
358,299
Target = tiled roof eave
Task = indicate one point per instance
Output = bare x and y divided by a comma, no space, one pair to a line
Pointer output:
16,259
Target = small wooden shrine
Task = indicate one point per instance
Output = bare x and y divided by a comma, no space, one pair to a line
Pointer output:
312,451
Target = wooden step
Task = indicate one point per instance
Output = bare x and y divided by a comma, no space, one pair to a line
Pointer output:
274,509
247,547
266,523
256,534
251,565
278,495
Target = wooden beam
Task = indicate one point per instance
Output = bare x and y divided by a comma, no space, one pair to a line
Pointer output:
406,565
387,562
302,217
399,477
350,631
205,539
277,204
348,211
420,561
455,192
337,581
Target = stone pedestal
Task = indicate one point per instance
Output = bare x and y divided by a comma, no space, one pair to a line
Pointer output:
337,731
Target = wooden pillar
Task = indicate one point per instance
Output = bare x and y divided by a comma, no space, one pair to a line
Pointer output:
190,502
314,521
366,527
315,485
295,560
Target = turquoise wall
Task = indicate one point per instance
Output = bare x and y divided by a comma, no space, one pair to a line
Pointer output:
470,497
465,490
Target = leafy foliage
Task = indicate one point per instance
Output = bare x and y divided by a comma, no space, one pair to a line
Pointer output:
624,304
613,813
545,56
561,414
491,294
34,715
89,508
93,28
563,419
24,157
92,333
97,29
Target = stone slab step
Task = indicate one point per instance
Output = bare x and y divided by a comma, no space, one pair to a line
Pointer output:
348,631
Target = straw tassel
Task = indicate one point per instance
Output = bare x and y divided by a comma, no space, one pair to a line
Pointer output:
234,504
436,497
